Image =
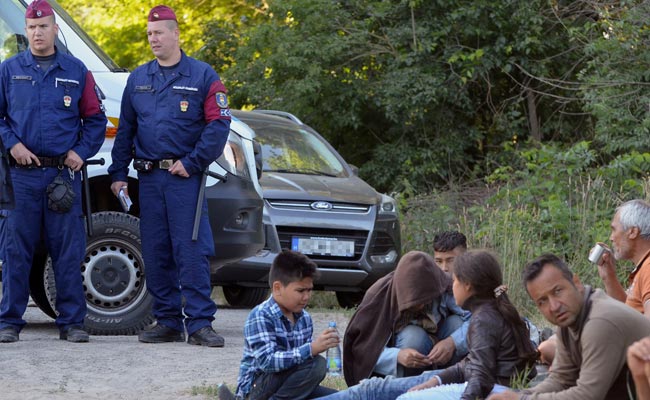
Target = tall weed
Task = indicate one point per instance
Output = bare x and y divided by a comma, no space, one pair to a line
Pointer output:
557,203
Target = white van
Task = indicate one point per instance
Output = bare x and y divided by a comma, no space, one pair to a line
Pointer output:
114,274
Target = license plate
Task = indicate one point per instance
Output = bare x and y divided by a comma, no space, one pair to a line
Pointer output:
323,246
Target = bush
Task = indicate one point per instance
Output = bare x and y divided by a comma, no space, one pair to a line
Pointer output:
557,202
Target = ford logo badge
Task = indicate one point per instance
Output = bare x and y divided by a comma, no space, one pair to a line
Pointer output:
321,206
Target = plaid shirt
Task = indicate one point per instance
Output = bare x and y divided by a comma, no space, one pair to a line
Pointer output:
272,343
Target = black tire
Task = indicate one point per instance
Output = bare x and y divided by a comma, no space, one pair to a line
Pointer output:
349,299
113,278
239,296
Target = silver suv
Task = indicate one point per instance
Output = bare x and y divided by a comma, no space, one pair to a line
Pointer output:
314,203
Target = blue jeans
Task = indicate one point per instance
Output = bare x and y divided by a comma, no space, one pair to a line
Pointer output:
297,383
452,391
414,337
388,388
391,388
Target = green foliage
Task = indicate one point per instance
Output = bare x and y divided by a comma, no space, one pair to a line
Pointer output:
122,30
554,199
616,79
429,88
420,94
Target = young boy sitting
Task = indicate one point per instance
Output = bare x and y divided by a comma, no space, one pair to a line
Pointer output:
280,360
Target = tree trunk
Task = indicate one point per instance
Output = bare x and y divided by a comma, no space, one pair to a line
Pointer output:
533,122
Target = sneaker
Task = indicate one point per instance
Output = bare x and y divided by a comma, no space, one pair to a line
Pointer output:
161,334
8,335
74,334
223,393
206,336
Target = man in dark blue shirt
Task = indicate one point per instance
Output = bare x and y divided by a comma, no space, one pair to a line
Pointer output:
51,121
175,116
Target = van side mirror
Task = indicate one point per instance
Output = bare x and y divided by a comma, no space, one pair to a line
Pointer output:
21,42
14,44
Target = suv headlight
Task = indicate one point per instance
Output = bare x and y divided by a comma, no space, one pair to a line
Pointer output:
233,158
388,205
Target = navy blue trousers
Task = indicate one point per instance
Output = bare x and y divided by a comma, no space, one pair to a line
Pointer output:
175,266
65,240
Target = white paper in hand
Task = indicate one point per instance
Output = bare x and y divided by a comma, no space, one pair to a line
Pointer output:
125,200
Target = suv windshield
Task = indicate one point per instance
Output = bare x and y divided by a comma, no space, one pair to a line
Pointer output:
296,150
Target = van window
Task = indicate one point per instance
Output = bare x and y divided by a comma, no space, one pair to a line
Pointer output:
12,29
13,39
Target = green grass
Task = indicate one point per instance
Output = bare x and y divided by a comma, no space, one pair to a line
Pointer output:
519,225
334,382
207,390
520,380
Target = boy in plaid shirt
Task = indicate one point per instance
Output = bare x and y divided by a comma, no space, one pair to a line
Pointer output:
280,359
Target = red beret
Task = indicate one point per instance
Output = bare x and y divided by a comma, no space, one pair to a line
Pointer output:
161,13
39,9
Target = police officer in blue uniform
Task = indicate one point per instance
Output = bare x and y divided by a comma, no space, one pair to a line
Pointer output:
51,121
175,114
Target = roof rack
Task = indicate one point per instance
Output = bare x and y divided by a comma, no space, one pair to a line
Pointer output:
282,114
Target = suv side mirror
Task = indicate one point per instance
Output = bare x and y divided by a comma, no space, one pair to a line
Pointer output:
355,169
257,150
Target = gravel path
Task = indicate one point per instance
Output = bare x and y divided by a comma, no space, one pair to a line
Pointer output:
40,366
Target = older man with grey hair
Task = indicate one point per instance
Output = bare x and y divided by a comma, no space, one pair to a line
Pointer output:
630,240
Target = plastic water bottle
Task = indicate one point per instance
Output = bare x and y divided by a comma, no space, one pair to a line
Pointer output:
333,356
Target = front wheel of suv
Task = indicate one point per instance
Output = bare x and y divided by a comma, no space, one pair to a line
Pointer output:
349,299
239,296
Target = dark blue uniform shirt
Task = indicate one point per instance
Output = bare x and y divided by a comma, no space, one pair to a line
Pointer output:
184,117
44,109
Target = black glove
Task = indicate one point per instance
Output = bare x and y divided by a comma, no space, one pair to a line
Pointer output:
60,195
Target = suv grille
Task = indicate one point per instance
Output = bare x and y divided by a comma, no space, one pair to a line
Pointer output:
285,233
306,206
381,243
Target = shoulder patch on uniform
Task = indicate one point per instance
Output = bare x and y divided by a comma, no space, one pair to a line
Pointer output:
99,94
222,99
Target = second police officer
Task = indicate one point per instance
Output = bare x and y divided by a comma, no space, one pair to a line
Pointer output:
175,117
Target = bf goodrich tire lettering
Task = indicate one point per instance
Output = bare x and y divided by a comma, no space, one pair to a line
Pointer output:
113,278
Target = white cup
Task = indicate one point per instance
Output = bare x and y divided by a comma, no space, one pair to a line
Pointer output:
596,253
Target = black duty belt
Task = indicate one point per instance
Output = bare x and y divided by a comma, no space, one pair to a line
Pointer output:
46,162
143,165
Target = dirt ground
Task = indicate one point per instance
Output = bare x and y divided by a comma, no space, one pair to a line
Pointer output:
40,366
